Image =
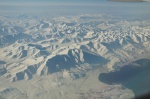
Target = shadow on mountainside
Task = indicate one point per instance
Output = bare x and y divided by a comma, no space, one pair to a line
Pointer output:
135,76
73,59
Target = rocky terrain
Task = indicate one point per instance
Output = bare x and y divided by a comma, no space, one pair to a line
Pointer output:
63,56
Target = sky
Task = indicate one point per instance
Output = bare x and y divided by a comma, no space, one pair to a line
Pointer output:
55,2
66,7
58,2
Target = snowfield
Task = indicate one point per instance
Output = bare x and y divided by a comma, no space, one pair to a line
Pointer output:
62,57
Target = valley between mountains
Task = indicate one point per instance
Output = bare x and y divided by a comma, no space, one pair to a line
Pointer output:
49,58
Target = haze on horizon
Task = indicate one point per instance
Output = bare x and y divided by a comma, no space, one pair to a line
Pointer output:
72,7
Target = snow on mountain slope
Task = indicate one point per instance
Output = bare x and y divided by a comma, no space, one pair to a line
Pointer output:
115,42
12,38
67,53
10,93
72,58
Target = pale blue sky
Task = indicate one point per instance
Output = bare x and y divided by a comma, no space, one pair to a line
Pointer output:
73,7
52,1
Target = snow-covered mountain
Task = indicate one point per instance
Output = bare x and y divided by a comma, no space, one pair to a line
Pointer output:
67,51
71,58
